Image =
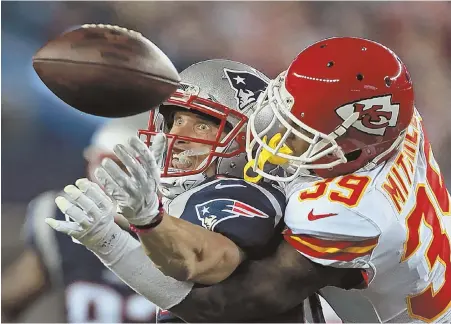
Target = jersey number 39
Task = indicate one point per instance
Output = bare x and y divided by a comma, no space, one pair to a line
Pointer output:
432,203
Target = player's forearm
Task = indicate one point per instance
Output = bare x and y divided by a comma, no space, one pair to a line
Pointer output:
239,298
258,289
126,258
188,252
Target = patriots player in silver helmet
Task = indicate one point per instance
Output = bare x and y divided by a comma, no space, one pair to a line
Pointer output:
204,126
212,220
219,94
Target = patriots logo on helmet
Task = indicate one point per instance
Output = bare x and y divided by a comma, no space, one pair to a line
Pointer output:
375,114
215,211
247,86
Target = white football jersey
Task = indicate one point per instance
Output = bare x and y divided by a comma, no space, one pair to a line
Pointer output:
393,222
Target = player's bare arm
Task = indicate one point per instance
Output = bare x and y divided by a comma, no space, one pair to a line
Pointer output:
186,251
262,288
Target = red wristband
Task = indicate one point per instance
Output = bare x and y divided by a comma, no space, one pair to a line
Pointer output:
148,227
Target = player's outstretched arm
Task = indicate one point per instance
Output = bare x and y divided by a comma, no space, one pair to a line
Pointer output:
259,289
188,252
92,224
180,249
255,290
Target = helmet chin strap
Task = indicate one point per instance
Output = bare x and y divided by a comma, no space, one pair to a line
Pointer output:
375,162
266,156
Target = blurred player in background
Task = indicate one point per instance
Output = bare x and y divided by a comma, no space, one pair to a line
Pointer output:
51,260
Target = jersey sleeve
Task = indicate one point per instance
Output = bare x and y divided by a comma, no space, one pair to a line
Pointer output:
247,214
331,234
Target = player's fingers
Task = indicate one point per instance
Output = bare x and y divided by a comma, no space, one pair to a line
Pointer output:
133,166
96,194
69,228
159,148
148,157
110,186
84,202
119,177
74,212
148,161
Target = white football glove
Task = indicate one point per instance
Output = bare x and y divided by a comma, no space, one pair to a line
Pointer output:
92,212
137,192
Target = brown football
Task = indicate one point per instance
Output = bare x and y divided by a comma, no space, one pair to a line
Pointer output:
106,70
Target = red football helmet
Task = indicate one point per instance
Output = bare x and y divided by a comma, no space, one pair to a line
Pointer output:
350,99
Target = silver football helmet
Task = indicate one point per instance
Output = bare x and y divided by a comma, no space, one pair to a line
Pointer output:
221,90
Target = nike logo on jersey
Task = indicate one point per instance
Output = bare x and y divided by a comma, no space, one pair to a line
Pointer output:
313,217
221,186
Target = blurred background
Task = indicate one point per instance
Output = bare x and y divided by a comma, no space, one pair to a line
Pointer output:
43,139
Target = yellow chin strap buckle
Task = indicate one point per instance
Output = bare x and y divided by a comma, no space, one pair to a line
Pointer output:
266,156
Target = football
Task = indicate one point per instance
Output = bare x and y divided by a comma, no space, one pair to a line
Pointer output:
106,70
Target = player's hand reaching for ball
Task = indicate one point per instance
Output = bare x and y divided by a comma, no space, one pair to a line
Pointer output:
92,213
136,192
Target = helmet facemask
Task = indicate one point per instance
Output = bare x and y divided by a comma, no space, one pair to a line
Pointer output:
268,145
227,142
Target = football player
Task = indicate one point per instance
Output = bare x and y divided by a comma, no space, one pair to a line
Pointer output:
368,211
217,221
366,200
51,261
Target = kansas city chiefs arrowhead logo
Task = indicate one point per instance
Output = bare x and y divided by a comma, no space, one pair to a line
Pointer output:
247,86
376,114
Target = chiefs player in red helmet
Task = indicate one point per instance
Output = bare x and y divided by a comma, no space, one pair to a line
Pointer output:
345,104
368,214
364,191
